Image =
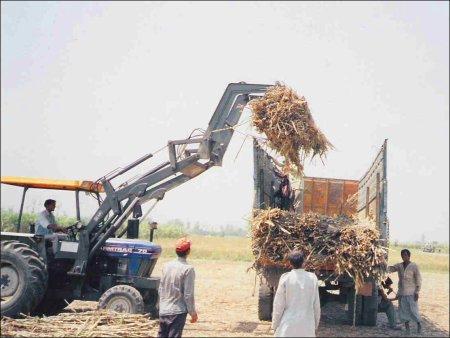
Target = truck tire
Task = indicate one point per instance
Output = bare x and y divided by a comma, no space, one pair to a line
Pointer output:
122,298
23,279
370,311
265,301
351,303
370,307
343,295
366,309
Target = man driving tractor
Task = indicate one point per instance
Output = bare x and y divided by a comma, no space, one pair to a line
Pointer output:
46,224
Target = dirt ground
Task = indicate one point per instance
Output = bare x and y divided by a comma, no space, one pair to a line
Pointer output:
227,308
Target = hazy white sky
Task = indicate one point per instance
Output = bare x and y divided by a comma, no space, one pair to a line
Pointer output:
87,87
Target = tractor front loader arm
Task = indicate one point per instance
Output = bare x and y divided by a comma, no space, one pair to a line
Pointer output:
208,151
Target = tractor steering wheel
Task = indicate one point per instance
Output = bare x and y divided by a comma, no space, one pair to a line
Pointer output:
73,230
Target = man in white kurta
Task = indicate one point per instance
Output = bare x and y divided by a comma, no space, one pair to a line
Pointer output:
296,307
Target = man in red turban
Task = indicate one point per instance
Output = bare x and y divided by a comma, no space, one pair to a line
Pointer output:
176,293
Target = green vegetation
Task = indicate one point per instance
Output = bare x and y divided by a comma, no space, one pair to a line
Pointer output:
9,219
229,243
239,249
171,229
212,248
432,262
176,229
440,247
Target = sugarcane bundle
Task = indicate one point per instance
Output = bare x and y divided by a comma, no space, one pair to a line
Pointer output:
98,323
347,244
359,253
284,117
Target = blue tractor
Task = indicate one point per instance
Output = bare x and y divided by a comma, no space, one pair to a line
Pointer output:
93,262
35,279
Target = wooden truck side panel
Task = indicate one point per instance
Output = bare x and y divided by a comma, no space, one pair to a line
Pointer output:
328,196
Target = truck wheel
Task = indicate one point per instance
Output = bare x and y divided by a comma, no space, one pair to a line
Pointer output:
366,309
351,312
370,311
23,279
343,295
122,298
370,307
265,301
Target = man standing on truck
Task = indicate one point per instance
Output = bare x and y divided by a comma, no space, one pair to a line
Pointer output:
176,293
296,307
409,283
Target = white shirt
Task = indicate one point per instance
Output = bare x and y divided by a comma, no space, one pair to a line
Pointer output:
296,307
44,219
409,279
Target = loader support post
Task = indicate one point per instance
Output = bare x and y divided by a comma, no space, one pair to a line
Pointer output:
21,209
77,204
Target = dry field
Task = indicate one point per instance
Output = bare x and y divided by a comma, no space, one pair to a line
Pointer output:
227,308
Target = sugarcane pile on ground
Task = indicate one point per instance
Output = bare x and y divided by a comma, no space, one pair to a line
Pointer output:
284,117
348,245
98,323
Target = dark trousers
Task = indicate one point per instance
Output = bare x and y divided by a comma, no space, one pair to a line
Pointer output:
171,326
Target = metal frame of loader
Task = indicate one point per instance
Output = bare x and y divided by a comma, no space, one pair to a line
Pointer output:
184,164
372,196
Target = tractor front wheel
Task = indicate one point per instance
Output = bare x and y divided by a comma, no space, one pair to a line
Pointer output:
122,298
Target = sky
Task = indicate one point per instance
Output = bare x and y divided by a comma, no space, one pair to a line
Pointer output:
88,87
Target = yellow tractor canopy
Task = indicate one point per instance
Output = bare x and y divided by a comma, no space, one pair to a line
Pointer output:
45,183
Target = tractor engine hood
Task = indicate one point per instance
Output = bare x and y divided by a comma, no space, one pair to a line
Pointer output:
133,247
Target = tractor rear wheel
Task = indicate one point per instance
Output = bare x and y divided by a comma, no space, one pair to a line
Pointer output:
122,298
23,279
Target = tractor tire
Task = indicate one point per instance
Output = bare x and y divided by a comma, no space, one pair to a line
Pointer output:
122,298
265,301
24,279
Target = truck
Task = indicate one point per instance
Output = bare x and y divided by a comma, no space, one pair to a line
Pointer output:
430,247
94,262
328,196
